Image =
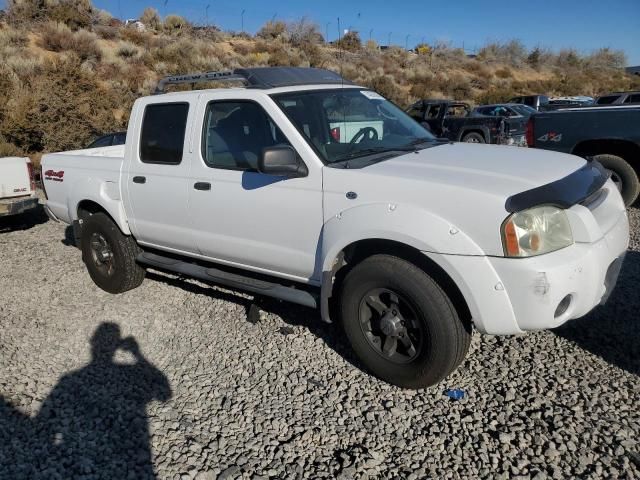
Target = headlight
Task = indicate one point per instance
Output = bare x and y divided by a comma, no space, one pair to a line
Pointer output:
536,231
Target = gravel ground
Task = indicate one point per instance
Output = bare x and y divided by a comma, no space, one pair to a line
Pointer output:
171,380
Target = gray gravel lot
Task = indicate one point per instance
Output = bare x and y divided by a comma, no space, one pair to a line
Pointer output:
171,380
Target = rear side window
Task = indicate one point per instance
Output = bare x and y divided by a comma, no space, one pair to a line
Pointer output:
163,130
635,98
607,100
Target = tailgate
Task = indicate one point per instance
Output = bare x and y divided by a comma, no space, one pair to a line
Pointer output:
14,177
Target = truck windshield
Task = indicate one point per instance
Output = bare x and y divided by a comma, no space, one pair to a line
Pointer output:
351,123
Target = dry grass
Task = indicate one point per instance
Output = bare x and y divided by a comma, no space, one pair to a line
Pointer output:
69,72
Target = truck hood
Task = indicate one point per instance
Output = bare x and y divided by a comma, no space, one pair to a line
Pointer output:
499,170
459,186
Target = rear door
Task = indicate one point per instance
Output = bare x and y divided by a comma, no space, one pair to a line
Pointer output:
14,177
156,180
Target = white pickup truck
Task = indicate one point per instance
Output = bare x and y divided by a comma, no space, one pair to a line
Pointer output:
17,186
413,240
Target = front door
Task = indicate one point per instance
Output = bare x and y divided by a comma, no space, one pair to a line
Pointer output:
241,216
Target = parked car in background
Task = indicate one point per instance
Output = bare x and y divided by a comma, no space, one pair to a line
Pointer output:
17,186
453,120
610,135
542,103
537,102
508,110
406,239
619,98
108,140
571,101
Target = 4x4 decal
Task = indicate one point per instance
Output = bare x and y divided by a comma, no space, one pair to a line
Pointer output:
550,137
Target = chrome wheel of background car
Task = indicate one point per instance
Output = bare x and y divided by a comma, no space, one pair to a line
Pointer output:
101,254
390,325
472,140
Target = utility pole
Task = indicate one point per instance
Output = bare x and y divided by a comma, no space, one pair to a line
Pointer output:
406,42
370,32
326,32
389,39
206,15
339,31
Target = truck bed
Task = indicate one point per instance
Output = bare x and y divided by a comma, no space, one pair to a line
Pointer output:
66,175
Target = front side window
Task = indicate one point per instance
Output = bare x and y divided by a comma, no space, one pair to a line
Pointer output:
235,133
349,123
163,130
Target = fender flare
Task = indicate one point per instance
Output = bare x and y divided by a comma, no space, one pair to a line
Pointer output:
405,224
106,194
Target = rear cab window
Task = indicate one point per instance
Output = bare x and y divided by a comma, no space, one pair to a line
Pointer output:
163,132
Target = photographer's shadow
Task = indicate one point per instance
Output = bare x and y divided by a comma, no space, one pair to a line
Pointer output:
94,421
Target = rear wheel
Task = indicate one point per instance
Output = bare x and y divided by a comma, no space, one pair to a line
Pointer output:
109,255
400,323
623,175
473,137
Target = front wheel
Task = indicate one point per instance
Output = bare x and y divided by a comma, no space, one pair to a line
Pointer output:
473,137
110,256
623,175
401,324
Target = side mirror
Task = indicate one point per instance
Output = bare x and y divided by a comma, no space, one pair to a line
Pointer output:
281,161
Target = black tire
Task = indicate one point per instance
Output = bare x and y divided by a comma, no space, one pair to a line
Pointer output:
623,174
473,137
421,303
110,256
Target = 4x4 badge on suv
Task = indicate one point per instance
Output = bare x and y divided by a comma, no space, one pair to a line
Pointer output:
550,137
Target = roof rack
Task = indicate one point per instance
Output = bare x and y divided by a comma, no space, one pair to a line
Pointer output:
265,77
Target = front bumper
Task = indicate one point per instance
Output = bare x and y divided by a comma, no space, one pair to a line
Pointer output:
15,206
512,295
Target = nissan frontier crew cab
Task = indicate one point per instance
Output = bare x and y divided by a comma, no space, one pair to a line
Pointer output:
408,240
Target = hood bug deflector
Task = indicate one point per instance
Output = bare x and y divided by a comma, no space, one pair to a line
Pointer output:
563,193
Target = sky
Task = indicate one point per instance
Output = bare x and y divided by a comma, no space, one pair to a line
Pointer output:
582,24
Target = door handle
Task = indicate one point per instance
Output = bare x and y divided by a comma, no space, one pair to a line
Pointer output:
139,179
202,186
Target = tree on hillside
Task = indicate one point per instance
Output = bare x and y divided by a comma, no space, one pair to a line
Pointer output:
151,19
175,24
304,32
272,30
75,14
350,41
533,60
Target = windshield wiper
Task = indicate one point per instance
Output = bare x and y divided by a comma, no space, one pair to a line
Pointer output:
369,151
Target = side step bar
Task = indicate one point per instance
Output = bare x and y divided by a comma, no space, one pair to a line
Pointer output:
233,280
